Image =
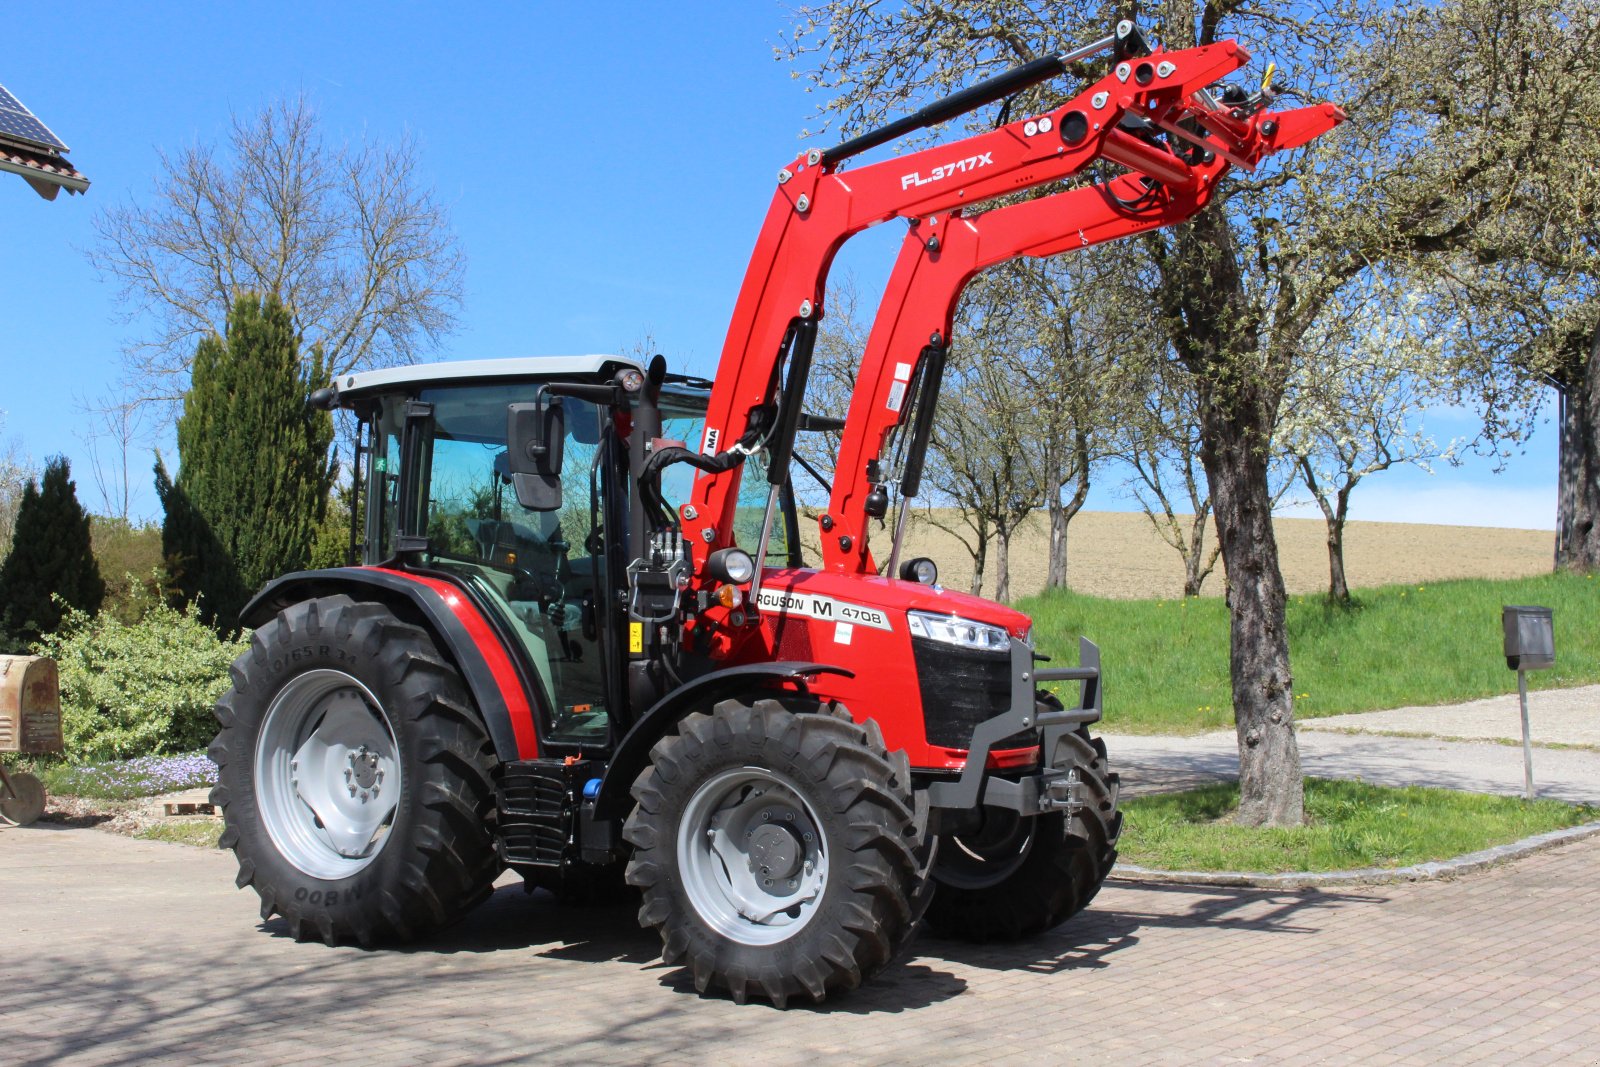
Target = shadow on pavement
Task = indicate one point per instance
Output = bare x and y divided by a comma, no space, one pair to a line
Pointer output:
1092,938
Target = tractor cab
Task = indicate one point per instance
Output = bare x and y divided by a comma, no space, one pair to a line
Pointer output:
437,491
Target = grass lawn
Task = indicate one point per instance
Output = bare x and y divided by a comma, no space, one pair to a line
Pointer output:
1349,824
201,833
1166,661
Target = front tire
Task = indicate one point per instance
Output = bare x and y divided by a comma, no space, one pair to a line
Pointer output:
1016,877
776,851
355,778
23,805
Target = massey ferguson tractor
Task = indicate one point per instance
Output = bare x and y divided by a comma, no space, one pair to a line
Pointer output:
573,645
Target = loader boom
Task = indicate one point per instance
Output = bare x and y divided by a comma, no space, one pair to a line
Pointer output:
940,255
817,206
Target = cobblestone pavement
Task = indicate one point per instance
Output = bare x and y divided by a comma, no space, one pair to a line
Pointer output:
120,951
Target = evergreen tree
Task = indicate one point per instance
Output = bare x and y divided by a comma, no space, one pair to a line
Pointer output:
254,469
51,553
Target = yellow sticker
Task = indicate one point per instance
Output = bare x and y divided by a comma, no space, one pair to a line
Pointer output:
636,637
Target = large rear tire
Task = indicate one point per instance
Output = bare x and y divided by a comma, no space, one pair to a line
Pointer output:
1015,877
354,775
777,852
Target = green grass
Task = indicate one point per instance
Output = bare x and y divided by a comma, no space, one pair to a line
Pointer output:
1166,661
1349,825
199,833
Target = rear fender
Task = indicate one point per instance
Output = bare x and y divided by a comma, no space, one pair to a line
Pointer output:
633,752
491,679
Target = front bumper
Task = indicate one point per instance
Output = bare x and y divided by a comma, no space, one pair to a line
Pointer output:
1055,786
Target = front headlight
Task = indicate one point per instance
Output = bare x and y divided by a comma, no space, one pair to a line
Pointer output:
954,630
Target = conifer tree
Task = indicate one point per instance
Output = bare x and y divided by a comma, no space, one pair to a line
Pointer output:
254,468
50,554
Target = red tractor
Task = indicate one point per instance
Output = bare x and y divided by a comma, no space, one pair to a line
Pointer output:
555,656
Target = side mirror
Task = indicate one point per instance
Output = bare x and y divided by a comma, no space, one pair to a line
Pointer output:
535,440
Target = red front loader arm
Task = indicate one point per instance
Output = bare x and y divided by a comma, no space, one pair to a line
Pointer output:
817,207
942,253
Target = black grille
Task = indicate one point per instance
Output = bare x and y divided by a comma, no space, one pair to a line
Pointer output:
961,688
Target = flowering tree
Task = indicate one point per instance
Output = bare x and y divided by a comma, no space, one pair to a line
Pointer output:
1356,400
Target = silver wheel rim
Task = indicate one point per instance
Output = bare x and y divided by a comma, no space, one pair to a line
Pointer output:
752,856
327,774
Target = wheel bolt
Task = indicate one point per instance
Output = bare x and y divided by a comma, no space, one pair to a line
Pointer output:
363,798
793,884
789,817
807,835
766,816
767,882
352,790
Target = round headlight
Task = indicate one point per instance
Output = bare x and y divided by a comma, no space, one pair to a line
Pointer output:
922,569
631,380
731,565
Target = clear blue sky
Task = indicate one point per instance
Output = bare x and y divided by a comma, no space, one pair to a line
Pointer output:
606,166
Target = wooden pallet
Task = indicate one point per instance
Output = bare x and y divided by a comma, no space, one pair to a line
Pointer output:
194,802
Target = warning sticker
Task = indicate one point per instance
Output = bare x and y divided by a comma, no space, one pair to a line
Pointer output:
822,607
636,637
897,396
902,372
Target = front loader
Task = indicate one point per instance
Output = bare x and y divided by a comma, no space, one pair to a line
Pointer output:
557,652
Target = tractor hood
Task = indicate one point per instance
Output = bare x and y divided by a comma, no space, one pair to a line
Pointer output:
826,594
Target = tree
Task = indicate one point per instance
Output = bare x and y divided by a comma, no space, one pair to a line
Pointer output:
1443,134
254,474
347,239
1355,404
1160,441
16,471
51,567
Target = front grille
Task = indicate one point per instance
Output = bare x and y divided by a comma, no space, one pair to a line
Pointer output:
961,688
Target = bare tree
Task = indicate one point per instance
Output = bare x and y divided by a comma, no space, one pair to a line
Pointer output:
115,429
17,469
345,236
1160,441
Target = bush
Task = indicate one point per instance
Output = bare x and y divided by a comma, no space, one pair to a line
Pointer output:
142,688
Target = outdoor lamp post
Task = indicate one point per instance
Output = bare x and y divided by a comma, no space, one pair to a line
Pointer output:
1530,646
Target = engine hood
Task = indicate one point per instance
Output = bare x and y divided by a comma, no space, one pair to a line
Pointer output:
894,596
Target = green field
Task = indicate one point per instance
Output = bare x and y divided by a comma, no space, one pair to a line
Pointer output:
1166,661
1348,825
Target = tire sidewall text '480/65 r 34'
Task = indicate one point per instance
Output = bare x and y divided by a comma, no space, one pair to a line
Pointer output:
778,849
355,776
1016,877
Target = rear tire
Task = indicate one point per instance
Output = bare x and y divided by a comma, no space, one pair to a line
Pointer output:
1017,877
355,777
777,852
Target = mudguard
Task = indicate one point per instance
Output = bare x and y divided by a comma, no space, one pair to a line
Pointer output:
465,636
633,751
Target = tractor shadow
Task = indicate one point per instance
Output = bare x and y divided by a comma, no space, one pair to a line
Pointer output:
1127,911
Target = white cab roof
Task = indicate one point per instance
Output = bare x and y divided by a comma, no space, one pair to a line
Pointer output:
468,369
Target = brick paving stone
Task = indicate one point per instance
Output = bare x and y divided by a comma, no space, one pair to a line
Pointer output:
116,951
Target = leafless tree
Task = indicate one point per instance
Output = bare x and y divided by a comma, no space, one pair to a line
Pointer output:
347,236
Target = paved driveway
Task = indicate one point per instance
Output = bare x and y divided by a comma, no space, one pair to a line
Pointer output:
120,951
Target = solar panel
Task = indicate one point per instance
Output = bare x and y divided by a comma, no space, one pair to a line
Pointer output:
19,124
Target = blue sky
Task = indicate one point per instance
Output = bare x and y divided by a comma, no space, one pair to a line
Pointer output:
606,167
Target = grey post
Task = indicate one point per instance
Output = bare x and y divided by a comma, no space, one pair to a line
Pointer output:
1530,644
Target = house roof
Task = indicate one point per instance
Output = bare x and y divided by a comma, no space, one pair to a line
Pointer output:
28,148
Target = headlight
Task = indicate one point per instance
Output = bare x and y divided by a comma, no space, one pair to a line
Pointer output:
731,565
954,630
922,569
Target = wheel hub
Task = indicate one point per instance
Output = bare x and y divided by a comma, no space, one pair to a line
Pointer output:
775,856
